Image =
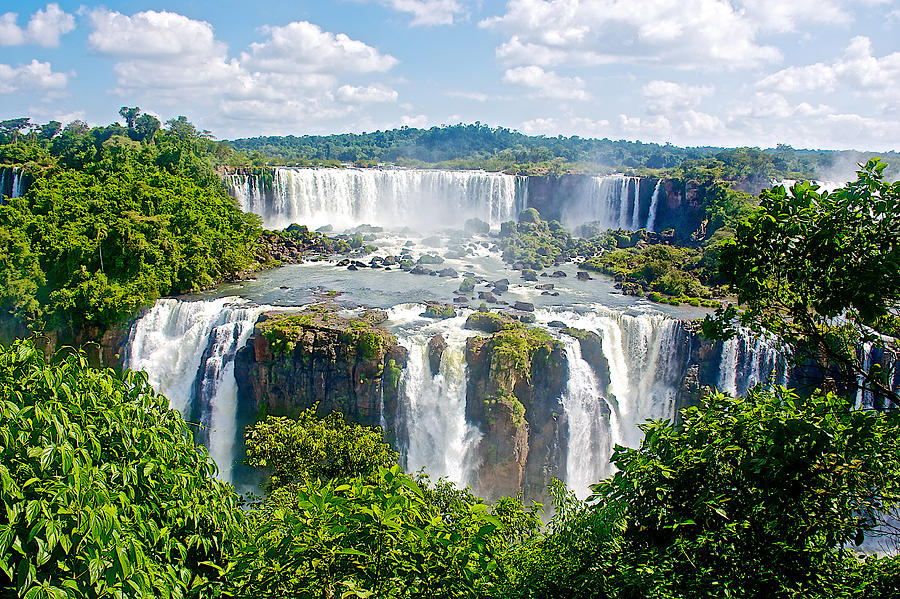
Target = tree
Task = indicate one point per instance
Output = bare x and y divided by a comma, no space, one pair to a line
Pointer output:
130,115
11,128
821,272
145,127
50,130
77,127
755,497
308,448
103,491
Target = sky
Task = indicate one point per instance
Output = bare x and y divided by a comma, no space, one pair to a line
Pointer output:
808,73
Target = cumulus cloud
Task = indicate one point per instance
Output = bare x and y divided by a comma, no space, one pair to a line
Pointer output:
304,47
366,94
857,70
681,33
44,28
664,97
35,77
428,12
547,84
294,77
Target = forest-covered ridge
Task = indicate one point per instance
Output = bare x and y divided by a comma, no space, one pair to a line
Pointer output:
479,146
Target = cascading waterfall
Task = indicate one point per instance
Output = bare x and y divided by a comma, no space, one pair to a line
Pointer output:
438,437
248,191
654,203
12,183
188,350
645,363
590,429
748,360
614,201
346,197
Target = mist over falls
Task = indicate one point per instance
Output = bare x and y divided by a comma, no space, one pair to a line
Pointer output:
426,200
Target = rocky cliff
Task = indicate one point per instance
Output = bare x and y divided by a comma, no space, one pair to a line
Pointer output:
299,358
516,378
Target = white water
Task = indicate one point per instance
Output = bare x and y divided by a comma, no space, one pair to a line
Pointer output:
747,361
645,370
654,203
11,178
590,429
248,191
614,201
439,438
346,197
187,350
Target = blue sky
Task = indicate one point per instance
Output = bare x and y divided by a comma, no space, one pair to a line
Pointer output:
810,73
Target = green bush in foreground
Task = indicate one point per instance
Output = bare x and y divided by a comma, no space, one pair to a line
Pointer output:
103,492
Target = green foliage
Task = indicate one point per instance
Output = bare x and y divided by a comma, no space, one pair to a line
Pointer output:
807,265
104,493
307,448
381,536
668,270
109,224
751,497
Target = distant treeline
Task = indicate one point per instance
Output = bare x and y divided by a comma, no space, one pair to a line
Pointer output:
498,148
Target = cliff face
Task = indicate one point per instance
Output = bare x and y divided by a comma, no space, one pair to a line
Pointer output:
297,359
516,377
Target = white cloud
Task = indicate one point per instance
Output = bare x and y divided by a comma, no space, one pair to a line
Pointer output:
44,28
152,34
35,77
857,70
301,47
428,12
664,97
547,84
295,77
681,33
568,125
417,121
464,95
366,94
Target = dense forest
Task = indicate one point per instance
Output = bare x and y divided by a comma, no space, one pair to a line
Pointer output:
105,494
500,149
114,218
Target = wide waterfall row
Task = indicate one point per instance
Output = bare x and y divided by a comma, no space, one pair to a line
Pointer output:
12,183
616,202
188,350
347,197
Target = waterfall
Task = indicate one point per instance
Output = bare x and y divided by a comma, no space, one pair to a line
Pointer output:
12,183
748,360
590,431
248,191
636,213
433,406
614,201
654,202
346,197
188,350
646,359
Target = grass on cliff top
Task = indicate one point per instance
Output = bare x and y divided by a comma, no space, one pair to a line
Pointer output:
511,338
361,332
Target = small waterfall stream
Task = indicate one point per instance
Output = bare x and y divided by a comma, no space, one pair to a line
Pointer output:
188,350
438,437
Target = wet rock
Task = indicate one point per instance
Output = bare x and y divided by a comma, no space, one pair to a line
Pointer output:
529,275
467,285
584,276
352,267
436,347
439,310
460,300
556,324
487,296
524,306
558,274
418,269
449,272
544,287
